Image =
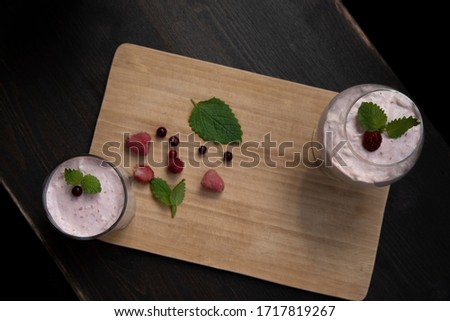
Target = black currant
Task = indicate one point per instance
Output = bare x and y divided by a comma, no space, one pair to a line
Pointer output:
227,156
174,141
161,132
77,191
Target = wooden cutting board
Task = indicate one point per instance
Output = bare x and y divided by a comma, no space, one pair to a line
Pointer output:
283,223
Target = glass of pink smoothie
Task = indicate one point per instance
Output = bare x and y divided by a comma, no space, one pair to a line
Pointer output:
340,137
89,216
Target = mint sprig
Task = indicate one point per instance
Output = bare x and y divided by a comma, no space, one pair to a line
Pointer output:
399,126
73,176
213,120
167,196
372,117
89,183
161,190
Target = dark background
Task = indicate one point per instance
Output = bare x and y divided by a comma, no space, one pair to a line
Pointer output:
410,36
404,35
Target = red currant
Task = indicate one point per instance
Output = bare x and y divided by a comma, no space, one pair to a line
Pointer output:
176,165
172,154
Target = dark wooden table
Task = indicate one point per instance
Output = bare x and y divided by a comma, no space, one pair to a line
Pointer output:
54,62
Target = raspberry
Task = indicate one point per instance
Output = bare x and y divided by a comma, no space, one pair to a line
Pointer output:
372,140
176,165
212,181
143,174
173,153
139,143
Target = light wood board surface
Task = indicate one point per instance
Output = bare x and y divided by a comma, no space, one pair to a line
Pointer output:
287,224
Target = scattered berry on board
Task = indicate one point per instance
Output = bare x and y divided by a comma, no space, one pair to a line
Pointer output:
143,174
173,153
227,156
161,132
175,165
212,181
174,141
139,143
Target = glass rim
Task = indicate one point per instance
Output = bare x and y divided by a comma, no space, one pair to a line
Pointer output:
102,164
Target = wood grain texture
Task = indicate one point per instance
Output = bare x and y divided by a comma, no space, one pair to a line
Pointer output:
285,224
55,57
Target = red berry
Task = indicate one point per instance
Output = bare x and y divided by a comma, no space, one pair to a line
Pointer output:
139,143
212,181
372,140
173,153
143,174
176,165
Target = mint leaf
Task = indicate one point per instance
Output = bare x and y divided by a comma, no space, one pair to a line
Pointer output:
177,196
371,117
399,126
173,210
213,120
167,196
90,184
73,176
160,190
